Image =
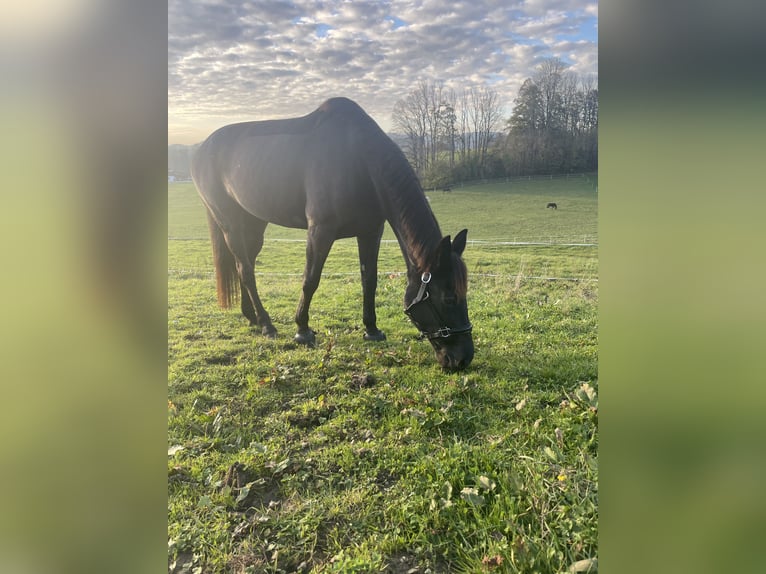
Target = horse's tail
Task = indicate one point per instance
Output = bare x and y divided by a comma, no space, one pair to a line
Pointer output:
227,280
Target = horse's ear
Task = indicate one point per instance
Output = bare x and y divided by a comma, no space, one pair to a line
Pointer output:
459,244
442,256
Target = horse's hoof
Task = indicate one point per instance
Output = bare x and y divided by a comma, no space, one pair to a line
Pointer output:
305,337
269,331
375,336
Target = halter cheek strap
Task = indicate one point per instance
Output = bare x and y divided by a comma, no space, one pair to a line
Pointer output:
422,295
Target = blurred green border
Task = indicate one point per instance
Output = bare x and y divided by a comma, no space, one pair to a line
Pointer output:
682,310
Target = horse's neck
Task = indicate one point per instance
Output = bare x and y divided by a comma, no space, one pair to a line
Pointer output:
416,229
406,206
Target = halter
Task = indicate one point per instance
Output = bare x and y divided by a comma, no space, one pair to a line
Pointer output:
423,312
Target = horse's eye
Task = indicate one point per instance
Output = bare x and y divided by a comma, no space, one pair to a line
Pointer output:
450,300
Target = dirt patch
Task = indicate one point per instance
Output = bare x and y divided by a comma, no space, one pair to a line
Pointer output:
179,474
362,381
242,563
237,476
225,359
402,564
182,564
386,479
311,419
249,489
491,562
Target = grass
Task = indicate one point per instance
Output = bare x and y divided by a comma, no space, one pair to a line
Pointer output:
362,457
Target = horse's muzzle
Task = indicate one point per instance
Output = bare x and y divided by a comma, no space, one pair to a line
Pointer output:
454,353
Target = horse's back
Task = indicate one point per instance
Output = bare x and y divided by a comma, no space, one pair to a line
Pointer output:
256,166
295,170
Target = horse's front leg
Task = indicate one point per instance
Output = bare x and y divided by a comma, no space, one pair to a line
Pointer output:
318,244
369,246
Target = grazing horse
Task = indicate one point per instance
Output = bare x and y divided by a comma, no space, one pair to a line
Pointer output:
552,205
335,173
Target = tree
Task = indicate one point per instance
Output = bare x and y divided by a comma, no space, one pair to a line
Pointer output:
484,113
549,79
527,116
446,135
409,118
447,129
554,124
418,117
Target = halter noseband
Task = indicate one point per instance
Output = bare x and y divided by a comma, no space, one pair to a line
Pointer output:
416,314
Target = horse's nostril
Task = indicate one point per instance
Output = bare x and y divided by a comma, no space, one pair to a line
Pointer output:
451,363
465,362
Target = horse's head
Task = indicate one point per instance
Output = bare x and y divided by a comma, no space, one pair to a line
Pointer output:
435,301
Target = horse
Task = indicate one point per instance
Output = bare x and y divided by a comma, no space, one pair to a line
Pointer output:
335,173
552,205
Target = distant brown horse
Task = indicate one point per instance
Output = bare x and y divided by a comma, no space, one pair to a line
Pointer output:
337,174
552,205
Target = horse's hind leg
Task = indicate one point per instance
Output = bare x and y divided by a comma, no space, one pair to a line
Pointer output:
369,246
245,243
318,244
254,243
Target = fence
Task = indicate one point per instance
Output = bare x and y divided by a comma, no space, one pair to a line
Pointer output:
519,274
197,273
587,241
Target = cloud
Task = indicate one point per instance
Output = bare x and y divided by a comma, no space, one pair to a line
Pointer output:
231,61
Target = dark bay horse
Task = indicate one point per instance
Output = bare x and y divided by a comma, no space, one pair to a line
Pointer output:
335,173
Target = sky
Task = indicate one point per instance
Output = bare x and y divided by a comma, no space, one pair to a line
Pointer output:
230,60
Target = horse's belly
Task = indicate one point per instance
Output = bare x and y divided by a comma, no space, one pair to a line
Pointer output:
276,200
268,182
350,214
285,210
364,224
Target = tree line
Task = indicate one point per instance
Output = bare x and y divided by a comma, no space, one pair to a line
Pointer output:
450,136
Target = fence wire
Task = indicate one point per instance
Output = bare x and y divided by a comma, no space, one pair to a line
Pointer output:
192,272
385,274
568,242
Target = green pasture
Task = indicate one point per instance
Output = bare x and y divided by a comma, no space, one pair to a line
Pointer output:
366,457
